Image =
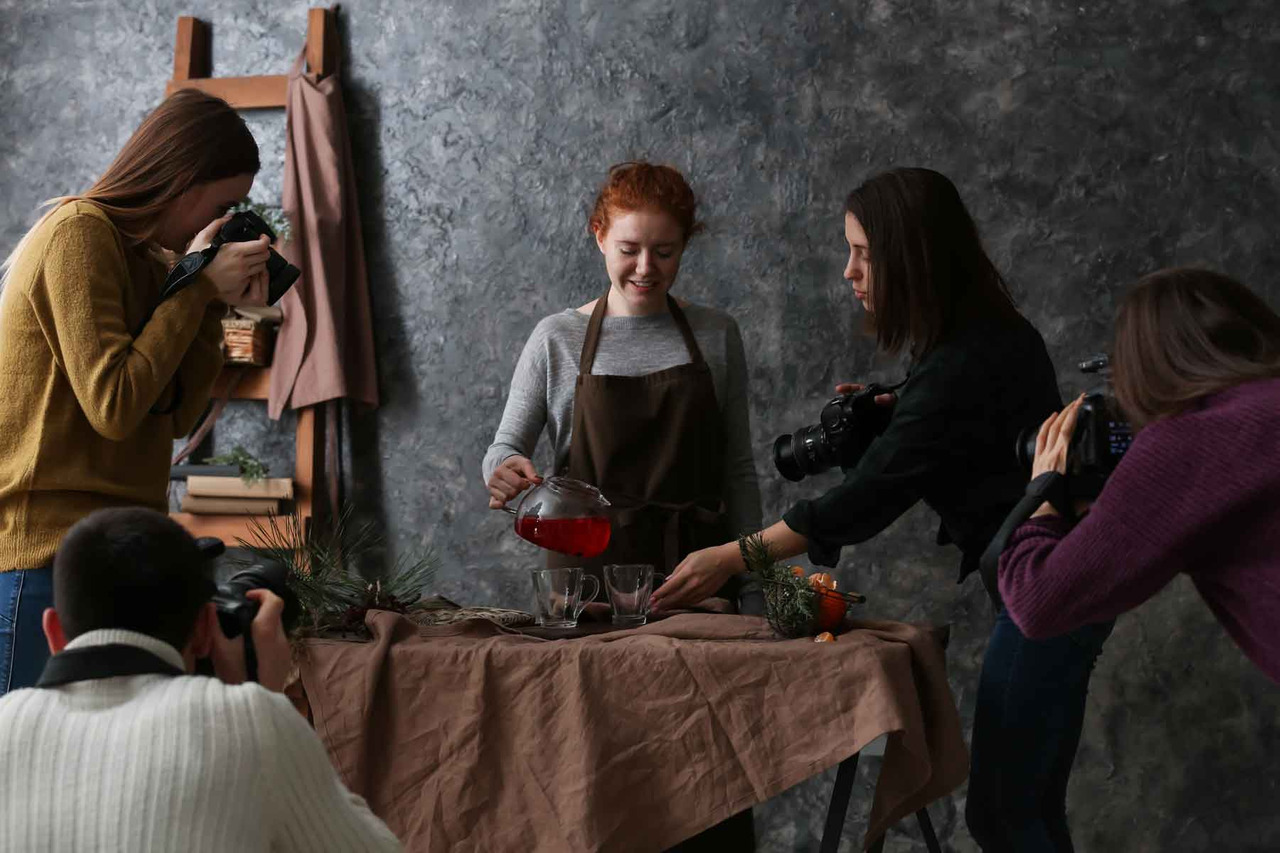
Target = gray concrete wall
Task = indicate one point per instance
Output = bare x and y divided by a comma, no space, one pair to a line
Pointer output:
1093,141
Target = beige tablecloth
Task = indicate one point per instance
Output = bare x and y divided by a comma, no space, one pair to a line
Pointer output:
471,737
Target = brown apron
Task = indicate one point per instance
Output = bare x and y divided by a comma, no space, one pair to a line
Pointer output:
654,445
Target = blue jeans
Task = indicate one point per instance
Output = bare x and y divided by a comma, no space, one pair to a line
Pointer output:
24,594
1026,728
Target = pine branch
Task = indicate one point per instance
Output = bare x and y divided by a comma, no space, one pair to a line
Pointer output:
332,596
790,604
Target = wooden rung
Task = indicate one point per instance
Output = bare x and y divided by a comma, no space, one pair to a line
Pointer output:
191,56
254,382
243,93
322,42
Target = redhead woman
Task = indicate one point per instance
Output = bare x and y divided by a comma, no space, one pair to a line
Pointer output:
99,376
642,396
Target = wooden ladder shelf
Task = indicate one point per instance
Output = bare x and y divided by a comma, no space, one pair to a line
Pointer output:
192,69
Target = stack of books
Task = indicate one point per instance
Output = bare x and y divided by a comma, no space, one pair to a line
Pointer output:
215,495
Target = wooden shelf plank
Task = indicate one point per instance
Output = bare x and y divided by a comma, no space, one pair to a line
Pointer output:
244,93
229,528
254,384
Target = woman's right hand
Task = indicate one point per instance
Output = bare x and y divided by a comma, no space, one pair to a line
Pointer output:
239,271
512,476
854,387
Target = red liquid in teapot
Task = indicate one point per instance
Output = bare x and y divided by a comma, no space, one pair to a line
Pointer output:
578,537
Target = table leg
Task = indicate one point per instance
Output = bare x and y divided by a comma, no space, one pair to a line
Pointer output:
926,829
839,806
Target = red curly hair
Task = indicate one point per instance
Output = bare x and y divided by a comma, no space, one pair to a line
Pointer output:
638,185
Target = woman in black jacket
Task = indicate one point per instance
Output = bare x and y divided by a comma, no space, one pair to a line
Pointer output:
979,373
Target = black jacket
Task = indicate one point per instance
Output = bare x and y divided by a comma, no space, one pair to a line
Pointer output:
950,442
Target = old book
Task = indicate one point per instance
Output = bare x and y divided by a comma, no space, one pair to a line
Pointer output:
182,472
234,487
229,506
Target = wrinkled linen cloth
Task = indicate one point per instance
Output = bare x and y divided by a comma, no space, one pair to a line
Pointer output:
472,737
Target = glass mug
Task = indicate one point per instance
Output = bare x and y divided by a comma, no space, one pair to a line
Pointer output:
629,587
558,596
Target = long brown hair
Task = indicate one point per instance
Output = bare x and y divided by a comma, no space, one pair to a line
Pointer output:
191,138
929,272
1185,333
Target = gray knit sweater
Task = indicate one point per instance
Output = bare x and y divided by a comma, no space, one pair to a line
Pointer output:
542,388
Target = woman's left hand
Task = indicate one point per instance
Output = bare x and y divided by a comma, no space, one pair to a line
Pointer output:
1053,442
698,576
1054,439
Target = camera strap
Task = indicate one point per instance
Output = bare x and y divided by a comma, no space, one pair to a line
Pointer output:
1051,487
180,277
106,661
184,272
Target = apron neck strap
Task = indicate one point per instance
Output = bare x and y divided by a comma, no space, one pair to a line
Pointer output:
596,323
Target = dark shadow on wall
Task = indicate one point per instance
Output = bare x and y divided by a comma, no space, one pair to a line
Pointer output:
362,476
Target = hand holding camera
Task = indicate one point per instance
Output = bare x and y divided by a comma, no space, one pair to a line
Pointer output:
846,427
1084,442
269,643
1054,439
239,272
848,388
235,252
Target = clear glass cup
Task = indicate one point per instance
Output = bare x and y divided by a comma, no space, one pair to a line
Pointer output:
558,595
629,586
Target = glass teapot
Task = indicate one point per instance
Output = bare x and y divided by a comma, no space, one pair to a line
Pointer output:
565,515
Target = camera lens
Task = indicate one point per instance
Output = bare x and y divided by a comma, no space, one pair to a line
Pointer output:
803,453
1025,449
784,458
282,275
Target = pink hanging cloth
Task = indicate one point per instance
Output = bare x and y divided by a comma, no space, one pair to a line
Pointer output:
324,349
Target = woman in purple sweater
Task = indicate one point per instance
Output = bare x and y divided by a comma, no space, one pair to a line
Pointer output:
1197,373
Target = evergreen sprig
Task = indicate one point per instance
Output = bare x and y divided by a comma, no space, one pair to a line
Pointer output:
790,604
251,468
332,597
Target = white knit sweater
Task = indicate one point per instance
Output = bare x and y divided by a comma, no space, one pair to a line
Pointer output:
146,762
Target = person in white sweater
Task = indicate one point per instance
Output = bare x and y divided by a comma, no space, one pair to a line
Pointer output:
120,747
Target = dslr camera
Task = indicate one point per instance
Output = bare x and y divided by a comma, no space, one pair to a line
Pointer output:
236,611
246,225
845,429
243,226
1099,441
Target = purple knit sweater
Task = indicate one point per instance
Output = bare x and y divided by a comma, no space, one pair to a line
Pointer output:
1196,493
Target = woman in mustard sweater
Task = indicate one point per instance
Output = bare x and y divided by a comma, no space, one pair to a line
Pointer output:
99,377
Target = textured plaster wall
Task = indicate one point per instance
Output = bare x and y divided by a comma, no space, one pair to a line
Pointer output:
1093,142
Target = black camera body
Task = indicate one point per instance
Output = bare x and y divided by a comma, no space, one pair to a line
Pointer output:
846,427
245,225
1098,443
236,611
